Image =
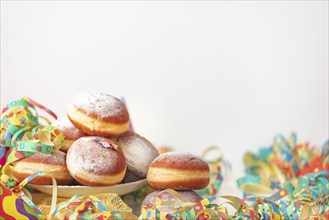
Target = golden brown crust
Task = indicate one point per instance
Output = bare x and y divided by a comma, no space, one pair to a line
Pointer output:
121,118
98,180
178,179
100,106
98,114
179,171
95,132
42,179
180,161
84,181
54,164
85,129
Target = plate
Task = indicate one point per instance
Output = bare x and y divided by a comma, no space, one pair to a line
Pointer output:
69,191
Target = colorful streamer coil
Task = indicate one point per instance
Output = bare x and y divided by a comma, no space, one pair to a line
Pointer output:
22,134
292,177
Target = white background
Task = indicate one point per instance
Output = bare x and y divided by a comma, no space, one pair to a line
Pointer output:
194,74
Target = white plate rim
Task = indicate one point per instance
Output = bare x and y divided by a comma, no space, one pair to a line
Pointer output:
85,187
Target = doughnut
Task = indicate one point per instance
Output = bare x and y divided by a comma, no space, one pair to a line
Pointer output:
70,132
179,171
96,161
54,164
138,151
98,114
149,202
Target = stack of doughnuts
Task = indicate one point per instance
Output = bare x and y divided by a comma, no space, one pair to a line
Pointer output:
98,149
183,172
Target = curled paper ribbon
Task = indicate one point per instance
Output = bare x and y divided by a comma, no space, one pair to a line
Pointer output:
21,135
292,176
17,205
100,206
216,168
217,207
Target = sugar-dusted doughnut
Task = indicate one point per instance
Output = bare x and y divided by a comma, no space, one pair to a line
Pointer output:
179,171
54,164
98,114
96,161
138,151
70,132
149,202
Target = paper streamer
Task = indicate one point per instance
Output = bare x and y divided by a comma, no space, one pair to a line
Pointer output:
291,175
216,168
15,207
99,206
21,135
15,203
293,178
216,207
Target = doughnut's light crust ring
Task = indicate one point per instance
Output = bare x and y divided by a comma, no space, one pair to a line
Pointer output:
54,164
93,126
179,171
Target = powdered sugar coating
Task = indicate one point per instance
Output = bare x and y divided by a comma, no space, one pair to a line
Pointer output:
139,153
180,161
67,128
87,155
101,106
56,157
